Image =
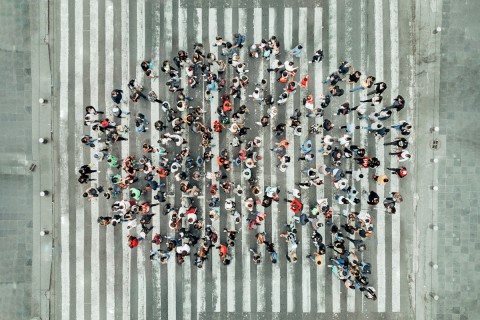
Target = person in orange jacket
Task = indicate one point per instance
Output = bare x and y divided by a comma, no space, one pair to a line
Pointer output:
305,81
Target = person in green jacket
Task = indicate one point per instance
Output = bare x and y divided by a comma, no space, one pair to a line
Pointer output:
113,161
135,193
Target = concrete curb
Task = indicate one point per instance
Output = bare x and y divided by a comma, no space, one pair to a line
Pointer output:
42,253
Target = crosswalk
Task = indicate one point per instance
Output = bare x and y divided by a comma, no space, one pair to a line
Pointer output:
100,47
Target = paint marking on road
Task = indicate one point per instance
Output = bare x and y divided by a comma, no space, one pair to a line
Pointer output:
126,251
154,137
110,258
381,281
201,272
63,154
288,25
351,294
363,134
272,25
79,204
172,305
320,191
396,228
257,32
305,242
94,245
333,59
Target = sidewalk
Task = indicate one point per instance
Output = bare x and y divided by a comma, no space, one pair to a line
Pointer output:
15,155
43,247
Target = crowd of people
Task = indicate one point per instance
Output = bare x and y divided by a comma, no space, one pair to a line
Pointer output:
194,236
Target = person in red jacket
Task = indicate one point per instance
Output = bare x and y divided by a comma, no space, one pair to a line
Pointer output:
132,241
295,205
401,172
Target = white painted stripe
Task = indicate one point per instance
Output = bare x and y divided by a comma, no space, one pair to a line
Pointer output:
288,25
257,32
272,25
363,134
187,289
201,272
246,267
396,228
305,242
320,191
154,137
182,28
199,26
332,42
126,251
412,114
172,307
79,201
246,260
332,35
94,245
63,154
350,96
110,258
381,280
182,45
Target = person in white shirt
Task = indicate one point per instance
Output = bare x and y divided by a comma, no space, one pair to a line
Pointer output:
327,140
184,249
230,204
289,66
256,95
282,98
345,140
241,68
295,192
402,155
341,184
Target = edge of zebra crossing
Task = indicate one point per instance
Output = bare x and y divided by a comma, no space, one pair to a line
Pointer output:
63,152
395,66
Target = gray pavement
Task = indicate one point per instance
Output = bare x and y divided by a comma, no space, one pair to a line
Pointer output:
458,242
15,155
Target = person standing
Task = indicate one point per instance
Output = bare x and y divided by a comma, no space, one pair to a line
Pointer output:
315,257
297,51
401,172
